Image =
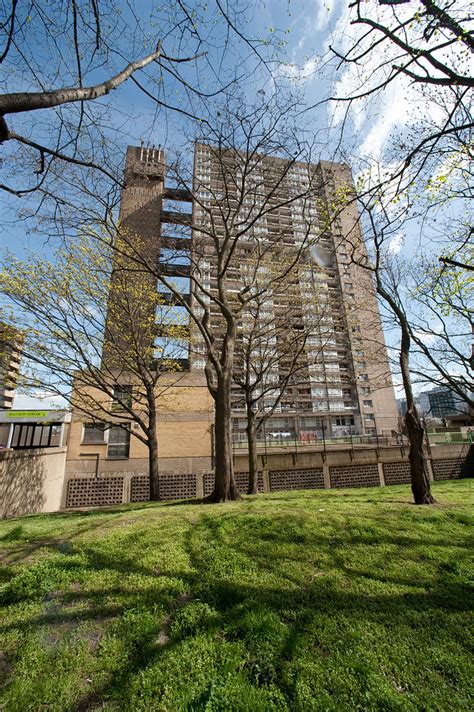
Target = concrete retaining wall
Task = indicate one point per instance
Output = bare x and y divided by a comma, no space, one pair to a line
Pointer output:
35,481
31,481
278,471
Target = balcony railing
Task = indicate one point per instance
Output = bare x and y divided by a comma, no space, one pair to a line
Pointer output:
177,218
174,270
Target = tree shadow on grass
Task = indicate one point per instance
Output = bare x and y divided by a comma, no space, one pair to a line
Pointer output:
27,545
224,576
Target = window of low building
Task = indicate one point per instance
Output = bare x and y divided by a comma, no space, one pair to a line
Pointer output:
122,397
32,435
93,433
119,442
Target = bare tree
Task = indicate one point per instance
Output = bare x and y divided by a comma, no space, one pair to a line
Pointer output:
242,209
428,42
424,48
116,375
442,325
385,271
65,61
272,361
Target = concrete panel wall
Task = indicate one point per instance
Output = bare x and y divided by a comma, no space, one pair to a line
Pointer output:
31,481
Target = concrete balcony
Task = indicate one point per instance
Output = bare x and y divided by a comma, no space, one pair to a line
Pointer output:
176,243
176,218
174,270
170,299
177,194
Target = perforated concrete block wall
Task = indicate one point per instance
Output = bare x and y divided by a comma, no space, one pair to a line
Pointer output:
140,488
396,473
355,476
94,491
208,483
117,487
296,479
241,481
453,469
177,487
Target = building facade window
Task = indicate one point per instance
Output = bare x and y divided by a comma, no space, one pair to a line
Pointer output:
119,442
122,397
94,433
27,436
344,420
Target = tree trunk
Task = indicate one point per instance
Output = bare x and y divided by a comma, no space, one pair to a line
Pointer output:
252,445
420,484
153,465
152,443
224,483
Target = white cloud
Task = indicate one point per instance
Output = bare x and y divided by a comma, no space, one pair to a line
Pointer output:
38,400
325,13
396,244
425,336
299,74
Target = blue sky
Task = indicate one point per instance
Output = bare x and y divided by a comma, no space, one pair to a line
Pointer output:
306,28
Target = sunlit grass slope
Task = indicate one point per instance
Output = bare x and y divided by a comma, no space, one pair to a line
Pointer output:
337,600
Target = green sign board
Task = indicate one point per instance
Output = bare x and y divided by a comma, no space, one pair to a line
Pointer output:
27,414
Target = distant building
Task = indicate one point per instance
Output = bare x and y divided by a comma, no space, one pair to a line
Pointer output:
11,342
402,406
441,402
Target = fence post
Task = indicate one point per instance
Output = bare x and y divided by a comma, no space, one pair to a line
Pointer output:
324,443
327,476
381,474
266,479
429,467
200,485
127,487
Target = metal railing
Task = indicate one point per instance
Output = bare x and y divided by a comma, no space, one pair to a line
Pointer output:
352,441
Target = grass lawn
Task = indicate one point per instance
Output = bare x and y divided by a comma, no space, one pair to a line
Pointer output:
321,600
